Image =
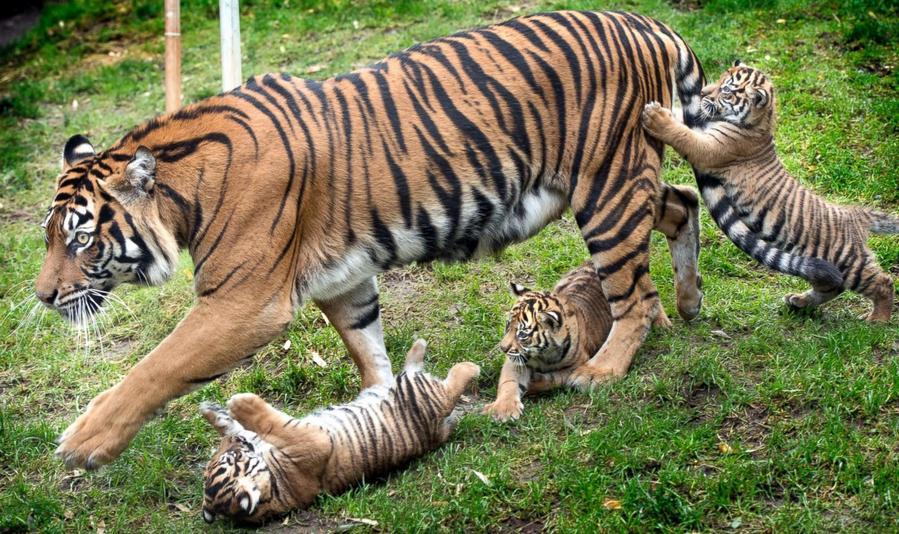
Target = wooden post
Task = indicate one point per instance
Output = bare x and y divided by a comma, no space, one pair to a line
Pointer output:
229,18
172,55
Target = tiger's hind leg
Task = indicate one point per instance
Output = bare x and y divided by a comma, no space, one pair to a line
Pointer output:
677,216
877,285
357,318
812,298
616,215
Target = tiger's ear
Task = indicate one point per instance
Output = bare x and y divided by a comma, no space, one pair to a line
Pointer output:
77,148
141,170
737,63
550,319
760,97
518,289
220,419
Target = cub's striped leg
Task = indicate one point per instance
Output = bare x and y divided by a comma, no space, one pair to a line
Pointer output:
214,337
877,285
677,216
357,318
616,215
513,384
456,381
812,298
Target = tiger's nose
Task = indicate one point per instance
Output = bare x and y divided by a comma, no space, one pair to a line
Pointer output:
48,298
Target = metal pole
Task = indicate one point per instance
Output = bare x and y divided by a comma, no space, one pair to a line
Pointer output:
229,17
172,55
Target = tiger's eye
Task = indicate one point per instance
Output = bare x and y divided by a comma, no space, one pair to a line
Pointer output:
82,238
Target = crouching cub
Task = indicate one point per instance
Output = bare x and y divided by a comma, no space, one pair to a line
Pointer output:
269,463
736,156
550,335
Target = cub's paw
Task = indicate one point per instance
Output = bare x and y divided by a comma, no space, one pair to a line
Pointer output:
796,300
588,376
248,409
656,118
504,410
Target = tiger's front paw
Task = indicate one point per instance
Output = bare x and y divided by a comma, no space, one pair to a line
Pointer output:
248,409
102,432
505,409
656,119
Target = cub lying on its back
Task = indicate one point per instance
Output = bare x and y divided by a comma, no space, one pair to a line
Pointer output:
736,148
269,463
550,335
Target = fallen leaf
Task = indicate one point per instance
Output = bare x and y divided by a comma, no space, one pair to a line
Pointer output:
319,361
181,507
725,448
286,345
68,514
720,333
312,69
481,476
611,504
781,21
737,522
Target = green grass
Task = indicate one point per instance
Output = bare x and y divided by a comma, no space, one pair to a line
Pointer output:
751,417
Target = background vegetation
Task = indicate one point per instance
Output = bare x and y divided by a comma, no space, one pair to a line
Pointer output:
749,418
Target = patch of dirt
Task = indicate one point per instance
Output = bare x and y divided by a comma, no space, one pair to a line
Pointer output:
305,521
119,350
523,526
9,214
749,428
686,5
400,290
704,400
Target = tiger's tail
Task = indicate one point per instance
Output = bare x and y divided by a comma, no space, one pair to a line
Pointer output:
689,79
883,223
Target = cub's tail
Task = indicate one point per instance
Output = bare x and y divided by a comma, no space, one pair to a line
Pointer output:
883,223
689,79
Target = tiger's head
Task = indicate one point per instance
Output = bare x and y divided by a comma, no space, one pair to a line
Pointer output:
743,96
250,479
538,328
238,481
102,229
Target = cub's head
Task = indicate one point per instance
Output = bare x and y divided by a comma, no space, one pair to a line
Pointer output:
102,229
743,96
537,327
238,482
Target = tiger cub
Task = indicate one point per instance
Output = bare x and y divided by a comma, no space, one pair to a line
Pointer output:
549,335
269,463
735,151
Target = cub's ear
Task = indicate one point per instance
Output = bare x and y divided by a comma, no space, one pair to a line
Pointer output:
737,63
141,170
550,319
760,98
77,148
518,289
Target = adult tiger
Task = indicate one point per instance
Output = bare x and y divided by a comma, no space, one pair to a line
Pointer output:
285,190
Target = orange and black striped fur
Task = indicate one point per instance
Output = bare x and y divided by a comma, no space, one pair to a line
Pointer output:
736,152
269,463
550,335
285,190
